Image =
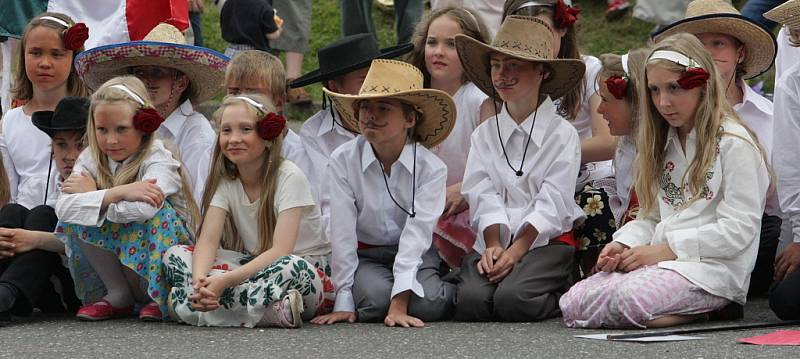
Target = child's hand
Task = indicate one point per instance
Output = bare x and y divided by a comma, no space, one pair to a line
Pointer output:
641,256
490,255
505,263
206,292
787,261
274,35
146,191
21,240
402,320
335,317
79,183
609,258
6,247
454,203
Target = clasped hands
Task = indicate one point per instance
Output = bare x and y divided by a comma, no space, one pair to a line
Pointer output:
617,257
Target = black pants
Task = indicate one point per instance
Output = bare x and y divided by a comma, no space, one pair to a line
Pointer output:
785,297
31,272
761,277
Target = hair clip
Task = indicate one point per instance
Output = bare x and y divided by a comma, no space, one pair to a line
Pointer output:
693,76
565,16
73,36
146,118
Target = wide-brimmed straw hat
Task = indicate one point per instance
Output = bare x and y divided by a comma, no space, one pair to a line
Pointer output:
787,13
401,81
70,114
525,38
346,55
718,16
164,46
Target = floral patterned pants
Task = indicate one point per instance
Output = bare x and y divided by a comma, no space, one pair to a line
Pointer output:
245,304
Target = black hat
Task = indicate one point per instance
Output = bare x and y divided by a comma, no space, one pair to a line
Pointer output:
70,114
346,55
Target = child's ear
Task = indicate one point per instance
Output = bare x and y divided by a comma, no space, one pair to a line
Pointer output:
742,53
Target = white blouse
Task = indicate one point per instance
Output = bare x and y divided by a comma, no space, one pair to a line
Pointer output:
362,211
543,196
787,54
714,238
26,157
786,146
623,170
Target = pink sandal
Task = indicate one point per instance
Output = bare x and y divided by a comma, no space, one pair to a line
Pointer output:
102,310
151,313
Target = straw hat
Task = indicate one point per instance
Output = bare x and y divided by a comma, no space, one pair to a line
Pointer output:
525,38
721,17
401,81
164,46
787,13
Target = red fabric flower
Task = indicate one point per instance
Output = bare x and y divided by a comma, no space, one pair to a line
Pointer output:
693,77
271,126
565,16
618,86
147,120
75,36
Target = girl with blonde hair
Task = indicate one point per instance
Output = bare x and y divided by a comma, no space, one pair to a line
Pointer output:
701,178
125,203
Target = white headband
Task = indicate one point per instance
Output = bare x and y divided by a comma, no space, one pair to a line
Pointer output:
130,93
251,101
624,61
675,57
55,19
540,3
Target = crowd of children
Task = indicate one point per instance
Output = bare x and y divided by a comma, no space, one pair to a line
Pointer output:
504,178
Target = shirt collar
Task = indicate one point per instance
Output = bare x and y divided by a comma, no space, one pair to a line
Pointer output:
326,125
406,157
672,136
751,96
544,115
175,120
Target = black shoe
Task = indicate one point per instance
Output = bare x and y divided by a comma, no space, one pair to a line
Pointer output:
5,318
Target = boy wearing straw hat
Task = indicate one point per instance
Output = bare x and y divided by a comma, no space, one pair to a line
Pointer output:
785,296
387,192
519,179
29,252
178,77
741,50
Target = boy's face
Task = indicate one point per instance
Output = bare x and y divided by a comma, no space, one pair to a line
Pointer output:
726,51
514,79
67,145
234,87
349,83
165,85
383,122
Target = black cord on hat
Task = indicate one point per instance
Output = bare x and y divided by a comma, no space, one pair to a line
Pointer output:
411,213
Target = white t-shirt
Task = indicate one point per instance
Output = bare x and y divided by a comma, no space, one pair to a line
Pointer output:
26,157
292,191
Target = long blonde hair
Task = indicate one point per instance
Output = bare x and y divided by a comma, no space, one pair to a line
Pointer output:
223,169
128,173
712,111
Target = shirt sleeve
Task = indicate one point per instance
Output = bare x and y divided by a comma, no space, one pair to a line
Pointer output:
639,231
738,215
293,191
220,198
344,243
81,208
196,161
786,146
8,165
485,204
417,234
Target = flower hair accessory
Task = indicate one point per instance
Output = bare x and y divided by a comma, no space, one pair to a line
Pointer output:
73,36
565,16
271,125
618,86
146,119
694,75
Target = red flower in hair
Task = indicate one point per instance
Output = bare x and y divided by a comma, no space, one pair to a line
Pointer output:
565,16
693,77
75,36
271,126
618,86
147,120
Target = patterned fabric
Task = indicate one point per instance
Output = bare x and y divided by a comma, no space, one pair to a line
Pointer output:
245,304
138,245
454,238
596,231
620,300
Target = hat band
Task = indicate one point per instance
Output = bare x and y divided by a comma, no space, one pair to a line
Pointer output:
130,93
675,57
56,20
624,61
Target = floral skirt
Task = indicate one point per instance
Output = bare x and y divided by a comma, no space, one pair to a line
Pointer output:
596,231
245,304
138,245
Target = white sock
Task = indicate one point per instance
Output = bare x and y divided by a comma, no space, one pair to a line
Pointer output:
109,269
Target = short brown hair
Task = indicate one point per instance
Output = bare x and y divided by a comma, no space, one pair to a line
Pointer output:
261,66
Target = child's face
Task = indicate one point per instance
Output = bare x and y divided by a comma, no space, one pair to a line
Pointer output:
350,83
67,145
676,105
515,80
238,137
382,121
47,62
441,57
114,131
616,112
165,85
233,87
725,51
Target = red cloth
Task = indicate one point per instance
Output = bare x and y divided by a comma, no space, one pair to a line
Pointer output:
144,15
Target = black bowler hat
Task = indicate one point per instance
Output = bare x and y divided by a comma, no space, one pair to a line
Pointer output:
346,55
70,114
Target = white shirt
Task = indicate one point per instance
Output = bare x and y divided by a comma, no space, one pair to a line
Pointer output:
292,150
786,145
756,112
454,149
623,171
715,238
84,208
543,196
26,157
195,138
291,191
362,211
787,54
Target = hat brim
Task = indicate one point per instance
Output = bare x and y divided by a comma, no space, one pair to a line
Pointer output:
787,13
760,44
319,76
43,120
565,74
205,68
438,109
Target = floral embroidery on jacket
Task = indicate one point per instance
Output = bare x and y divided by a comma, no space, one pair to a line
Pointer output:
674,194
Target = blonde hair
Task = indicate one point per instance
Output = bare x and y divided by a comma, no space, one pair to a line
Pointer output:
260,66
128,173
23,87
223,169
712,111
612,66
470,23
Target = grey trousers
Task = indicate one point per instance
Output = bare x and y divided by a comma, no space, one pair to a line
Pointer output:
372,287
357,18
529,293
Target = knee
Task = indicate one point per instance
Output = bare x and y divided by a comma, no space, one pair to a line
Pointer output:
473,302
506,303
784,302
434,306
372,305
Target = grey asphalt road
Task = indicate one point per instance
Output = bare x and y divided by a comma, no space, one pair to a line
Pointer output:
39,337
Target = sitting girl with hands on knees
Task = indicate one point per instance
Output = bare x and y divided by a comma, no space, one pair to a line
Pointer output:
261,257
701,178
124,205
